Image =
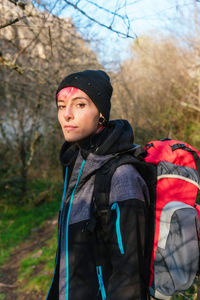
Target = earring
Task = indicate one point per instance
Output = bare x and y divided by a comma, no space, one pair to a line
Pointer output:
102,121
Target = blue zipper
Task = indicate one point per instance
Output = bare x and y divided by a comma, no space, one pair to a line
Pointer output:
101,284
118,231
62,203
67,227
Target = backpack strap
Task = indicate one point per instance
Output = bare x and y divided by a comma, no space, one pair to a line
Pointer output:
194,153
100,199
99,211
100,203
103,179
102,184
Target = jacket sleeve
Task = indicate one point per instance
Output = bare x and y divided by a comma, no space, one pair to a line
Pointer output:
127,235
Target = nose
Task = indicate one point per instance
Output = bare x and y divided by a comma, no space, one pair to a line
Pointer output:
68,114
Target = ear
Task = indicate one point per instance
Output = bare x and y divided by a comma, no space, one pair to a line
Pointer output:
102,120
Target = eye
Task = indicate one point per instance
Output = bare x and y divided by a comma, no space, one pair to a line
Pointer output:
60,107
81,105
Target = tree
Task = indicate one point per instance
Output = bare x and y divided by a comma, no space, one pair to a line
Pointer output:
159,90
36,56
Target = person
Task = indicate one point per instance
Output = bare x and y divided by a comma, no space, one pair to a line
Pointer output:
91,139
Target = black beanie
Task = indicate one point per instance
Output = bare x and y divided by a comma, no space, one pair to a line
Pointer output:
96,84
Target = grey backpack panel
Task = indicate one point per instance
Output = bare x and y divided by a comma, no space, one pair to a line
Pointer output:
177,256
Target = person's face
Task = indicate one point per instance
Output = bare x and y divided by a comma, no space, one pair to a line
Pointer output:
77,114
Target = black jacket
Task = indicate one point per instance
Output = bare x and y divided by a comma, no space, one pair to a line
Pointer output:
106,263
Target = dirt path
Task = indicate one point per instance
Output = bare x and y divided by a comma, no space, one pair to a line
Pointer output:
9,271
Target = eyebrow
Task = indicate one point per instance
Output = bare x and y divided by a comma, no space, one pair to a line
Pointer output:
76,98
80,97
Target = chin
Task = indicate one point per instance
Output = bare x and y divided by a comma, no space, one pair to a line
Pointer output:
72,139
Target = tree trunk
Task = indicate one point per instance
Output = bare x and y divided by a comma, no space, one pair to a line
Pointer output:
23,171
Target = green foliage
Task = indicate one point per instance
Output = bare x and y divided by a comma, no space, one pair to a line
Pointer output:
11,192
192,131
190,294
18,221
36,270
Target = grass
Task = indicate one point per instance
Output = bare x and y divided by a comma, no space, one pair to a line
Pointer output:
190,294
36,270
17,222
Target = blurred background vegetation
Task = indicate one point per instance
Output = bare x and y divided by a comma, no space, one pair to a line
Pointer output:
156,87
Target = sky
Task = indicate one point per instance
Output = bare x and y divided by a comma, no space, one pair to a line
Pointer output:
139,17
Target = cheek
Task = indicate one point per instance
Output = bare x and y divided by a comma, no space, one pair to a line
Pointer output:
92,119
96,119
60,118
94,122
89,123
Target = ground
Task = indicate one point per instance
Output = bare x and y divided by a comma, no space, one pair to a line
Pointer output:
9,271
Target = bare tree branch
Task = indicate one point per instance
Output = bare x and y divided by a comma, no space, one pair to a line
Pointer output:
50,39
37,35
11,65
189,106
11,22
5,285
105,9
99,23
21,3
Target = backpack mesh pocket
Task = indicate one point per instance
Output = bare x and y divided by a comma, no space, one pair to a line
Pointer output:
177,254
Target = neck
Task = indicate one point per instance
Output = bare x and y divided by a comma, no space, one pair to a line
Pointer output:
101,127
90,141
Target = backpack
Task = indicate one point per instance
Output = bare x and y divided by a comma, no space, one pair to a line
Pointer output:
171,170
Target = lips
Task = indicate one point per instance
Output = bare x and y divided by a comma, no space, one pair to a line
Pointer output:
70,127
